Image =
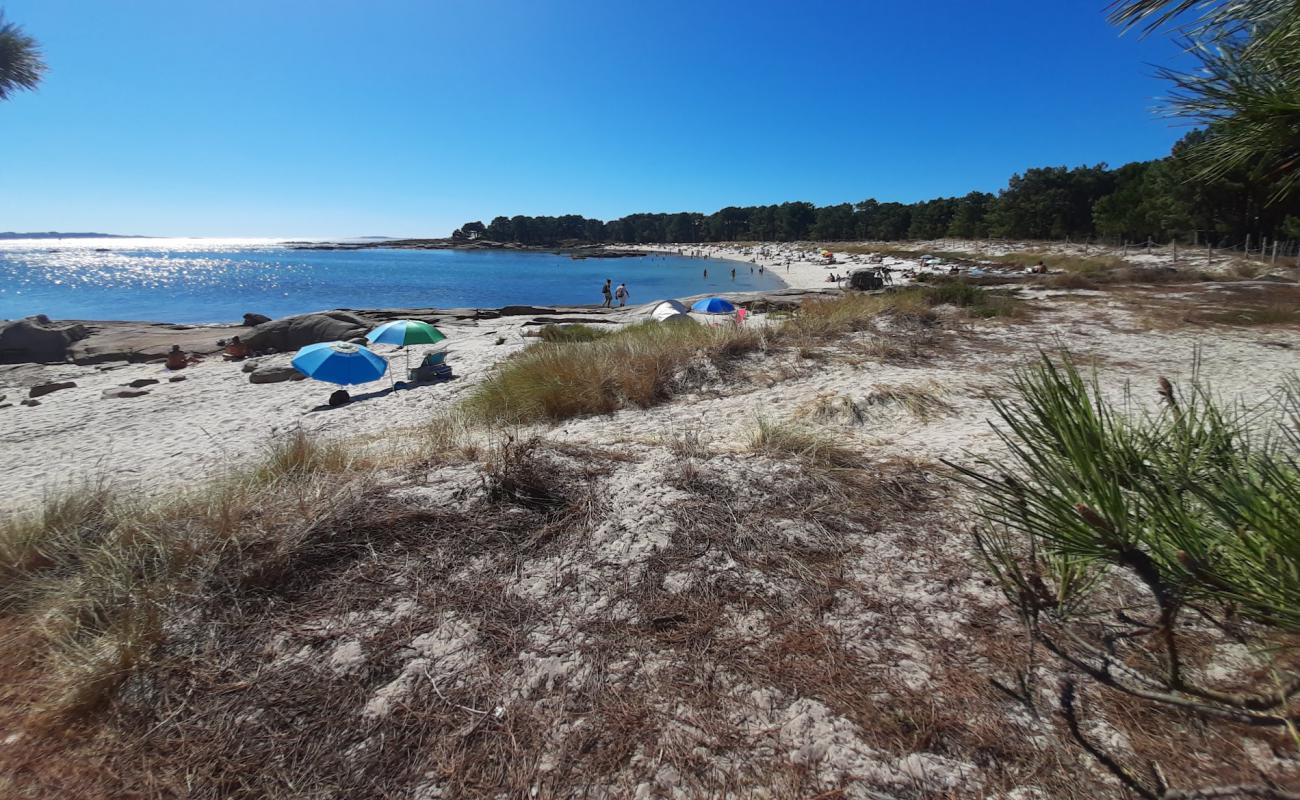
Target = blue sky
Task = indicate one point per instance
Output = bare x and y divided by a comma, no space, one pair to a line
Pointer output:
402,117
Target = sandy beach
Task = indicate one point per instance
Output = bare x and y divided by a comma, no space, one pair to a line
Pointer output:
212,418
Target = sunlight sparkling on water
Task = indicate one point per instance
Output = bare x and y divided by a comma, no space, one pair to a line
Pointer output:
218,280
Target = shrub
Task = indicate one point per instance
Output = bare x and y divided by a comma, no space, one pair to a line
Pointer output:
1197,505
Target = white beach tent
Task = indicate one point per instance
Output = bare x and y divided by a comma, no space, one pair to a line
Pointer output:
668,308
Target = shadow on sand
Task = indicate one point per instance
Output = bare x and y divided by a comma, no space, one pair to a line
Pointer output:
400,386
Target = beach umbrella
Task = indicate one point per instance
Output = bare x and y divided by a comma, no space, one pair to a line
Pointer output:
713,305
402,332
339,362
668,308
405,331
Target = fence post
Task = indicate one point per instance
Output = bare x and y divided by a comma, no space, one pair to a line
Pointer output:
1174,242
1274,259
1248,244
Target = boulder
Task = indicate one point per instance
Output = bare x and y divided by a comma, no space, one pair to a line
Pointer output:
290,333
274,375
140,383
250,365
520,311
123,392
38,340
30,402
42,389
176,379
252,320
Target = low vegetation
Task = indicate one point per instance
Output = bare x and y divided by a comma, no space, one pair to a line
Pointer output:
1141,549
924,401
571,333
812,447
636,367
98,574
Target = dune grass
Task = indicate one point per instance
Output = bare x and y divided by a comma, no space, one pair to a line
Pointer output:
784,439
853,312
571,333
92,579
924,401
1261,316
636,367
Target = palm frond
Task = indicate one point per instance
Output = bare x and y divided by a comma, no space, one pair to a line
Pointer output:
21,63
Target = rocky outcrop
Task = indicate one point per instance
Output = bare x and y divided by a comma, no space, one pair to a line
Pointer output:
274,375
37,339
42,389
123,392
140,383
520,311
290,333
252,320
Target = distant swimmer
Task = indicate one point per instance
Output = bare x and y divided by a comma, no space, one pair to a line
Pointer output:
733,273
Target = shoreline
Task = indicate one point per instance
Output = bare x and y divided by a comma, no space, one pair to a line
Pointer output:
135,341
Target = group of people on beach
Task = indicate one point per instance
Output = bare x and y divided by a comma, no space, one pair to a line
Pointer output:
610,294
235,350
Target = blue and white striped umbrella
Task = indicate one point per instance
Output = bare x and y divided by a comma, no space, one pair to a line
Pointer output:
340,362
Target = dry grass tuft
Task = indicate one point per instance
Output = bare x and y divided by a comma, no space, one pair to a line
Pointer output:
637,367
923,401
809,446
571,333
98,576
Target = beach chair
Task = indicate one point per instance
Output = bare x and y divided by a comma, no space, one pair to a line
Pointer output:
434,368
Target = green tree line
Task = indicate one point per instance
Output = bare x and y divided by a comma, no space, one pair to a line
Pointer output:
1164,199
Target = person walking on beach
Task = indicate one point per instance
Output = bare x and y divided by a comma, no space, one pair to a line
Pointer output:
621,294
605,291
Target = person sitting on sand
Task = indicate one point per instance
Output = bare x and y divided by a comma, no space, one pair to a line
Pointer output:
621,294
237,350
176,359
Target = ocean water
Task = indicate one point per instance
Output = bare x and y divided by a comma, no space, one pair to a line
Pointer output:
213,281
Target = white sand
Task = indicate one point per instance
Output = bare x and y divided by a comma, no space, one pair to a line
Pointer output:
180,432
